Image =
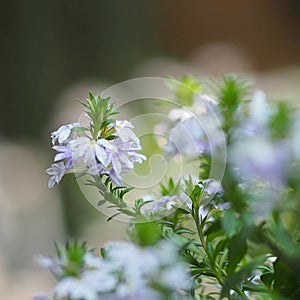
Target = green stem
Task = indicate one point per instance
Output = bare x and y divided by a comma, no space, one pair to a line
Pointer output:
203,242
214,268
241,293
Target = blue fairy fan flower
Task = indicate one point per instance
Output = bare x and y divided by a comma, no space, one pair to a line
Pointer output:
107,147
62,134
56,171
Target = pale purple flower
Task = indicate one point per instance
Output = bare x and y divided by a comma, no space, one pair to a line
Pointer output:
258,158
186,138
120,160
41,297
57,171
89,150
175,277
196,135
99,280
121,124
115,177
63,133
55,265
102,156
167,204
74,288
260,111
253,153
150,264
64,152
127,272
199,107
136,157
259,115
128,143
211,187
94,262
123,131
96,169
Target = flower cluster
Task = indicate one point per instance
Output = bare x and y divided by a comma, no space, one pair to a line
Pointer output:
255,152
196,128
125,272
178,197
106,147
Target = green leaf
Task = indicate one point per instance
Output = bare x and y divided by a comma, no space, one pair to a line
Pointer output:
125,191
267,278
219,249
146,234
237,250
280,122
80,128
242,274
230,223
186,89
91,95
206,297
185,231
103,252
213,231
113,216
286,280
183,211
196,195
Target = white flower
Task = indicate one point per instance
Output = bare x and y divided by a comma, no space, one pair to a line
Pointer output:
199,107
74,288
180,114
53,264
82,154
63,133
175,277
99,280
123,130
186,138
88,150
211,188
57,171
141,266
168,204
259,110
136,157
126,272
87,287
257,157
93,261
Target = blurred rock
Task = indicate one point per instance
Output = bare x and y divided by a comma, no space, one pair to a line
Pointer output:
30,218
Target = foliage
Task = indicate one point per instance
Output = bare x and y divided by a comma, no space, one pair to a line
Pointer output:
238,239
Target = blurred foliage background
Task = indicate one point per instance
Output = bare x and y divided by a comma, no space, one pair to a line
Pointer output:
53,52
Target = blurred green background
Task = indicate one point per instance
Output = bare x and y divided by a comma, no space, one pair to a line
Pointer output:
53,52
